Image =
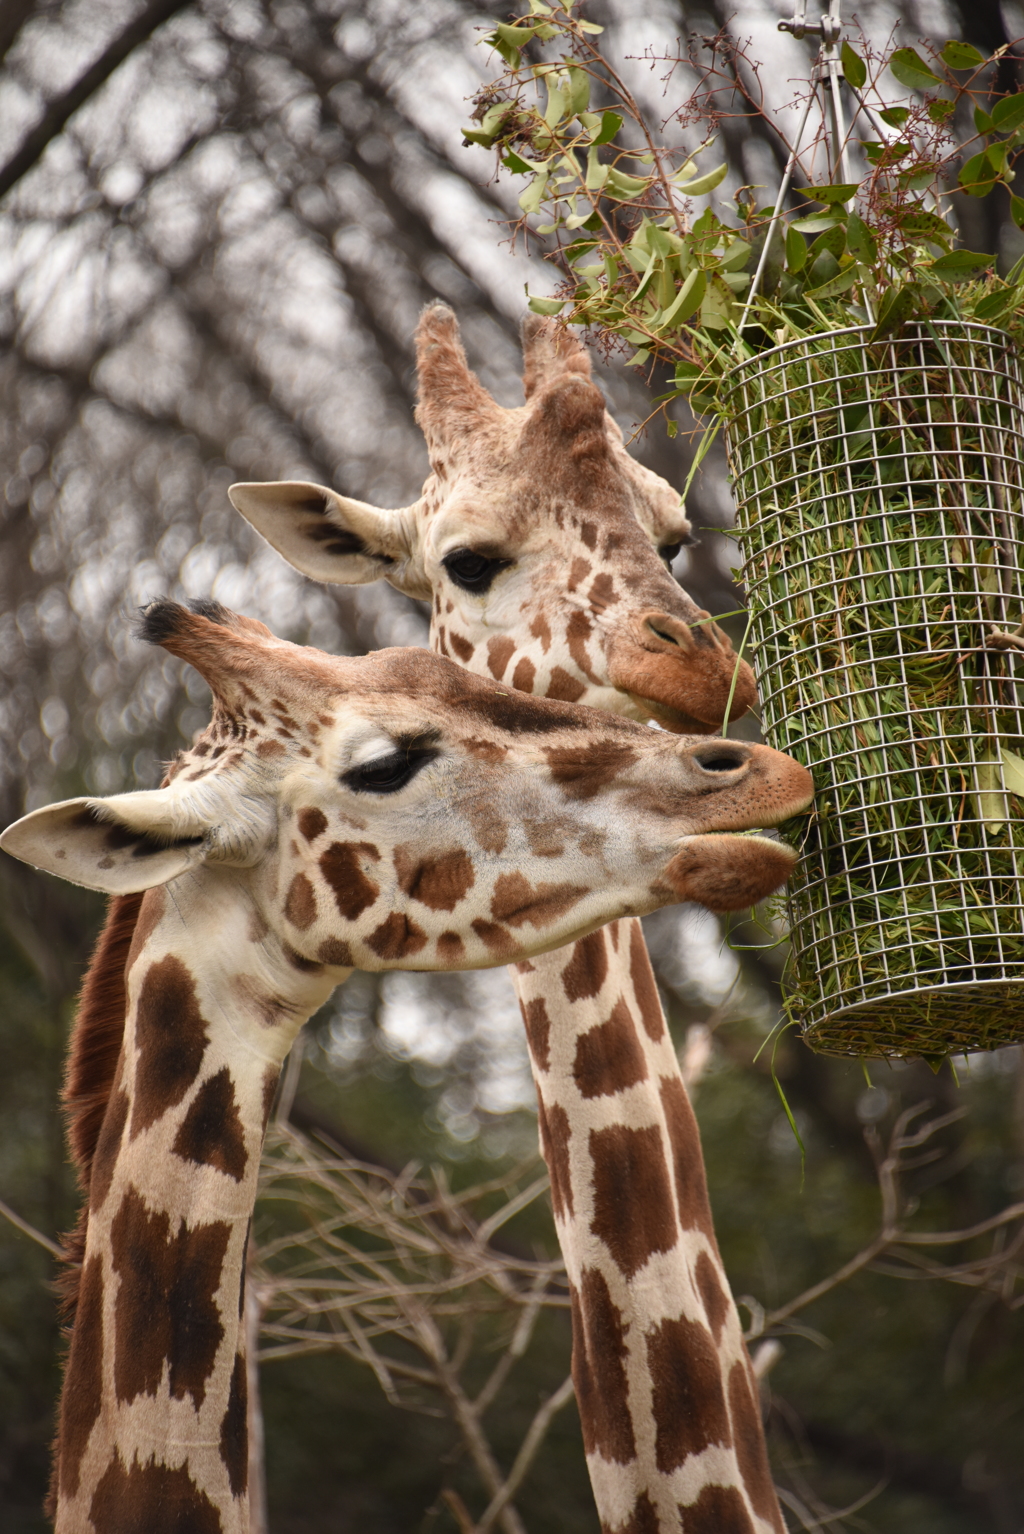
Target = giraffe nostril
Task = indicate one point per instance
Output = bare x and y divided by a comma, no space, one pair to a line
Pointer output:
720,756
661,629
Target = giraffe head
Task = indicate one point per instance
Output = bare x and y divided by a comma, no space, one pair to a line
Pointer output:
542,545
394,811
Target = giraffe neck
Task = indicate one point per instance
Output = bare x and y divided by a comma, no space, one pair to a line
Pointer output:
667,1399
152,1428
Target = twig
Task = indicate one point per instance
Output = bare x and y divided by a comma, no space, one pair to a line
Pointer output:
30,1230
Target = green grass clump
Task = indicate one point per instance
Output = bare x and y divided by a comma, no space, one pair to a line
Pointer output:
880,492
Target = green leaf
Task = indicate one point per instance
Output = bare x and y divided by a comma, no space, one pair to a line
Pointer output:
531,199
1013,772
796,250
961,56
1008,114
897,305
579,90
516,37
983,122
976,176
854,67
707,182
829,194
687,373
1017,211
923,223
513,161
611,122
547,305
895,116
938,111
959,263
911,70
495,115
558,102
687,300
815,223
597,174
994,305
477,136
860,240
841,283
625,188
589,26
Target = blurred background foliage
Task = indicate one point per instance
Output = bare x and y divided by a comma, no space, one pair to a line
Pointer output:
220,222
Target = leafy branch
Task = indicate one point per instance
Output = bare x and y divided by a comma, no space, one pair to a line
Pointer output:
642,266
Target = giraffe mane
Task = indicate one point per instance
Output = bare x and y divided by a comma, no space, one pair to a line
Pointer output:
92,1066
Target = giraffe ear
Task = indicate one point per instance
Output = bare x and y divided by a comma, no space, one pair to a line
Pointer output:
94,842
330,537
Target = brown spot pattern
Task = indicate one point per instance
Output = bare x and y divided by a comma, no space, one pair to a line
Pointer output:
588,532
270,748
107,1147
516,901
524,675
495,937
633,1213
154,1498
396,938
333,951
642,1520
586,971
751,1454
451,950
170,1033
166,1308
540,629
555,1134
271,1076
300,903
312,823
645,987
578,631
341,866
154,903
439,882
462,647
578,572
234,1436
602,592
500,650
609,1056
563,687
687,1398
709,1287
546,838
599,1371
538,1031
718,1510
582,771
211,1132
687,1159
82,1396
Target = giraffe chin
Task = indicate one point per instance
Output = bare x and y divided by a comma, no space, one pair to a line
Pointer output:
672,719
729,873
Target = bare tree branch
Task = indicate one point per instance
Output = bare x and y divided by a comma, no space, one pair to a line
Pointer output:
57,113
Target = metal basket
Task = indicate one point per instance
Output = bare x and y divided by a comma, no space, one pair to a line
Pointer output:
880,494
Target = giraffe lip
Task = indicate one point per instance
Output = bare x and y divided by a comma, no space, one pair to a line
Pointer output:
673,719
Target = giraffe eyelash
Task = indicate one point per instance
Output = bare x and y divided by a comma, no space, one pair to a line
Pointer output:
388,774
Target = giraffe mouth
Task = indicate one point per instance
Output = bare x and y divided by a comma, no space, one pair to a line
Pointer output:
672,719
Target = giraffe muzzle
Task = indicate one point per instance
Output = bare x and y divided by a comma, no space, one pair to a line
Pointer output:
681,673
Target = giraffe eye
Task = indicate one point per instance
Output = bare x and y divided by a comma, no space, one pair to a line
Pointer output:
472,571
387,774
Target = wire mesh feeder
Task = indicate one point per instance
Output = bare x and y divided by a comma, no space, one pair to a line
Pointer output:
880,492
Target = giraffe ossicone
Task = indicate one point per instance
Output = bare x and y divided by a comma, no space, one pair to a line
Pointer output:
389,811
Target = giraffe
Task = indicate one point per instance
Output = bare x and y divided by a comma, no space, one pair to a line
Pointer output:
543,547
390,811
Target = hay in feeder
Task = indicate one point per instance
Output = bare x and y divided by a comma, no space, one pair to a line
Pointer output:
880,492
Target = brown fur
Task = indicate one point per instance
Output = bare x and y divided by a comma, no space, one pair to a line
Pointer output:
88,1082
